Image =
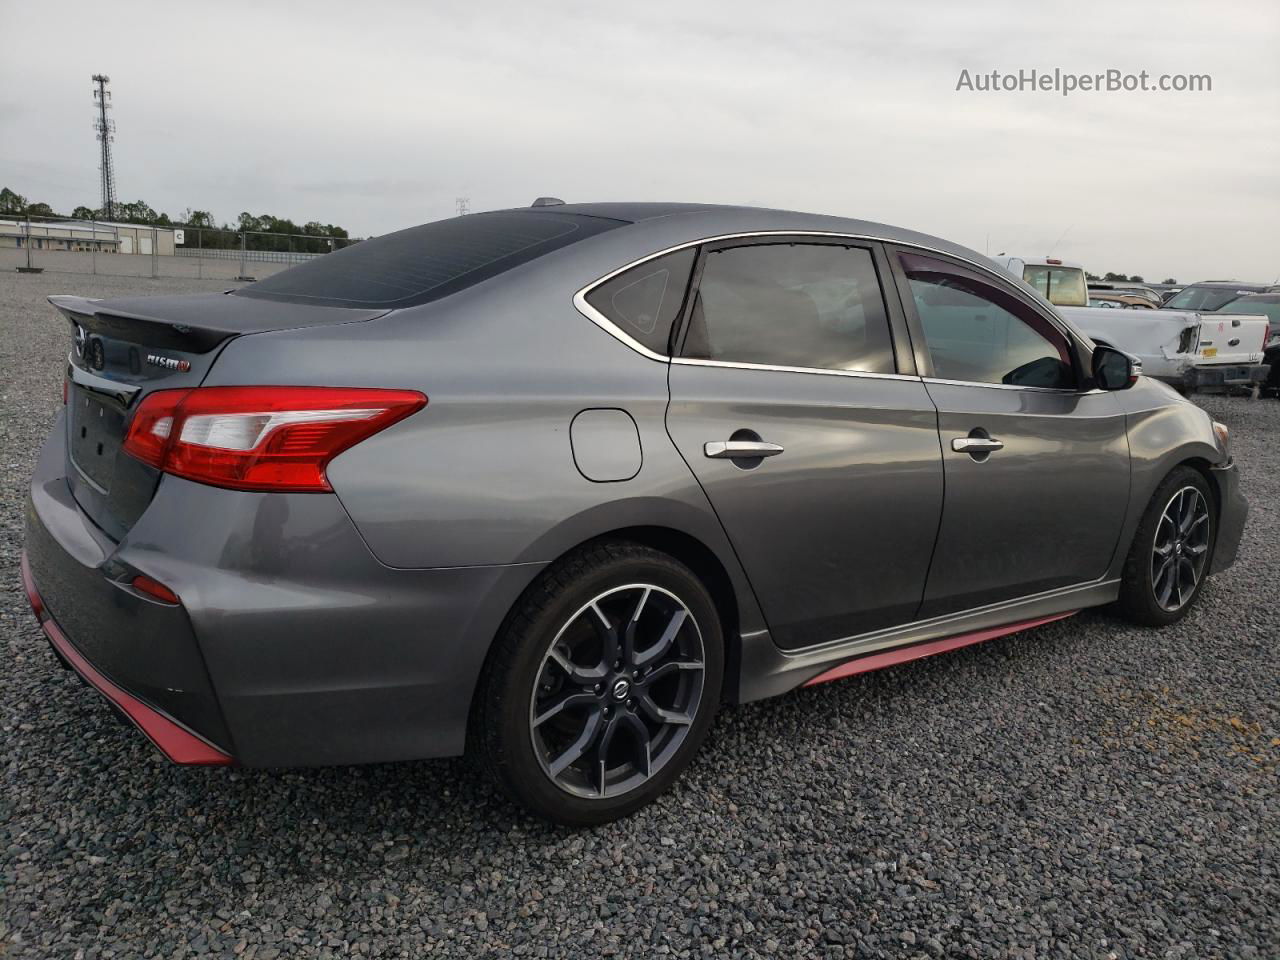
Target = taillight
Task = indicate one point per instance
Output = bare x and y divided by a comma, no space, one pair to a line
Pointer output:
260,438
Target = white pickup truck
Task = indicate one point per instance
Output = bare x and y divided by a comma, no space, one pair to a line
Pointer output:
1191,351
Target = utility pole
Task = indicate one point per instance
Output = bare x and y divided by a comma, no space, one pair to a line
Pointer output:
106,133
464,206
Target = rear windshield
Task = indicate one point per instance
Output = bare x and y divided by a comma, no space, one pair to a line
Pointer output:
1061,286
1204,298
428,262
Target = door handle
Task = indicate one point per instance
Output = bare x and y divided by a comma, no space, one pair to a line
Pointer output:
975,445
740,449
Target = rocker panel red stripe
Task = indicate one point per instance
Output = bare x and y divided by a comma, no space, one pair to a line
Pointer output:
878,661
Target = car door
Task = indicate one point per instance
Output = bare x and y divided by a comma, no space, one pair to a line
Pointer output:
795,403
1036,465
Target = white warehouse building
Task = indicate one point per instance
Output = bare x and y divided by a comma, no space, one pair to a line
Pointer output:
81,235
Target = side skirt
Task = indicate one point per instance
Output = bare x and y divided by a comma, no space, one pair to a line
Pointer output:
767,670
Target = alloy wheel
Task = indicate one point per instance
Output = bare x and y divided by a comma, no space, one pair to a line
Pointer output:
1180,549
617,691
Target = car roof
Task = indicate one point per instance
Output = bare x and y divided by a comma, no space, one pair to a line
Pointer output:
628,212
654,225
1236,284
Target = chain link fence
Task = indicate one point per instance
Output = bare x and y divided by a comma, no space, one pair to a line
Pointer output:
61,245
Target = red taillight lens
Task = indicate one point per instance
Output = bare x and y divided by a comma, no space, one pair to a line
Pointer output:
152,426
260,438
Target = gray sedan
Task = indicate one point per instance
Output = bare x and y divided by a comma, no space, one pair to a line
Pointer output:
549,486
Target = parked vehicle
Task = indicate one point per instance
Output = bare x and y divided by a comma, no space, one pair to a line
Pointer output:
1062,284
1130,289
1178,347
551,485
1112,300
1210,295
1268,305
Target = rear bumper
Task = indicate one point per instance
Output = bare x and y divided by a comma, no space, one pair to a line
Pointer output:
1232,512
292,644
174,740
1225,375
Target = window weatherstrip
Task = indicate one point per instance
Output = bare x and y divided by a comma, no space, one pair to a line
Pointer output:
828,371
1006,386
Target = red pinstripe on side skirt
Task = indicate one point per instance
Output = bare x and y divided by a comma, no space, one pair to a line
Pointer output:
878,661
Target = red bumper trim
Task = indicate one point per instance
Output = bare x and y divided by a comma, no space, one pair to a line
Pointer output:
878,661
172,739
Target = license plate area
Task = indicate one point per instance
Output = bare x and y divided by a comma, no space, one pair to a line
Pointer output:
96,431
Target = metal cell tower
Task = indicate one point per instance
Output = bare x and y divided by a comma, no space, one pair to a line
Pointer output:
106,133
464,206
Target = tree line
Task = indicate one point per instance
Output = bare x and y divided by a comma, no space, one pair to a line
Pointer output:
310,237
1121,278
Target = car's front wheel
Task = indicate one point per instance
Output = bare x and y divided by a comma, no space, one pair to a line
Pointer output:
601,686
1171,552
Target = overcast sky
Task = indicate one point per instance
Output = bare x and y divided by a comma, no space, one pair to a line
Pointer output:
378,115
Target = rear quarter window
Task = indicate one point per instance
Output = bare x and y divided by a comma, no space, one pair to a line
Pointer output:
643,302
428,262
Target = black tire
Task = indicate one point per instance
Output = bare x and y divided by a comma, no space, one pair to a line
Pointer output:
1140,599
520,670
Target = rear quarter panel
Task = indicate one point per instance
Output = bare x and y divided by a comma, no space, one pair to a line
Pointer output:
485,474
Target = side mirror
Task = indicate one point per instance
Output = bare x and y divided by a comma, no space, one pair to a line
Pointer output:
1113,370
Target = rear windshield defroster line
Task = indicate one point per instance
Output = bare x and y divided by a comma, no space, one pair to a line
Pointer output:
425,263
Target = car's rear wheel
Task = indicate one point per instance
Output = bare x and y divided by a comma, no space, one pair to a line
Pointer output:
1172,551
601,686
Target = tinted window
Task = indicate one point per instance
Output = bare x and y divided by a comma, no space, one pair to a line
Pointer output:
791,305
977,332
644,301
428,262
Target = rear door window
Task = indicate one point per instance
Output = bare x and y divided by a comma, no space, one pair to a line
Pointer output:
643,302
428,262
809,305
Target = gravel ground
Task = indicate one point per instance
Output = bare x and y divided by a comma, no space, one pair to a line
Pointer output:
1085,789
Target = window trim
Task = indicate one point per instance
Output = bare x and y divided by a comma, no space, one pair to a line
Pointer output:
913,349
